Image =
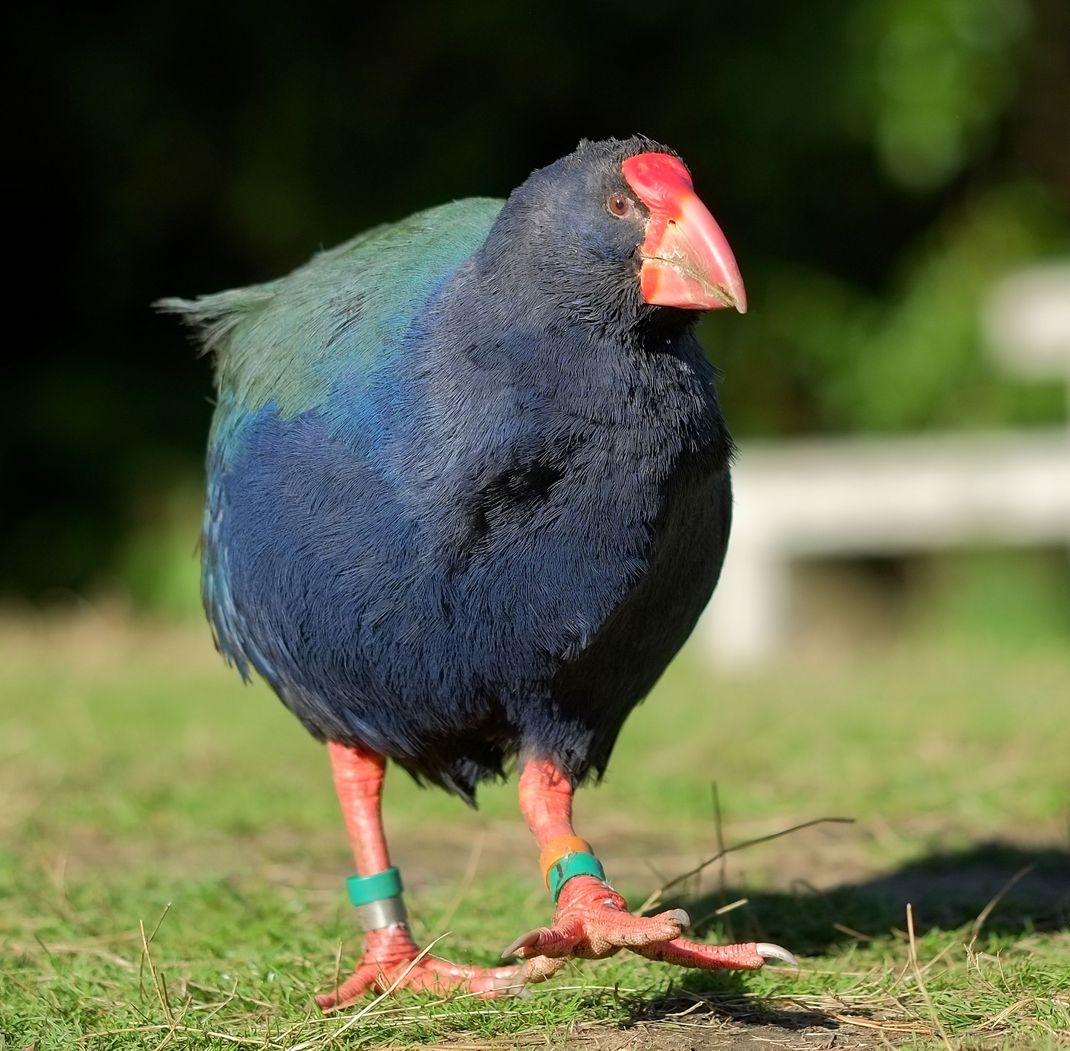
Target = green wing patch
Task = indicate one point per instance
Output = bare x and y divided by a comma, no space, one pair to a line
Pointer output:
287,341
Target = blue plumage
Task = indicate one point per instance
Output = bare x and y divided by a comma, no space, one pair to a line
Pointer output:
467,492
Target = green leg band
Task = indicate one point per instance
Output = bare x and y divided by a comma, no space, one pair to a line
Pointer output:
574,864
363,890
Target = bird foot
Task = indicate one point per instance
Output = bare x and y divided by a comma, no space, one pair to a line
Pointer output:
592,921
392,960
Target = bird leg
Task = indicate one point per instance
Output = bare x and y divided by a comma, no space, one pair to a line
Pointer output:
592,920
391,958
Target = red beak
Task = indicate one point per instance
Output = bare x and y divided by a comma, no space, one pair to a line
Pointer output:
686,259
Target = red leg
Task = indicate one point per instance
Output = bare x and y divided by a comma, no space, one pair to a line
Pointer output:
592,921
390,954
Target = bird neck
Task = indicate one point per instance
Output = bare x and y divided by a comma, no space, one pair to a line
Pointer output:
524,274
492,340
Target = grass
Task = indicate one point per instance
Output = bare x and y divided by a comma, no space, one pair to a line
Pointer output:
171,857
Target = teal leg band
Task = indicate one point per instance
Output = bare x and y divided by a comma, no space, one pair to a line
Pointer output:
574,864
363,890
378,899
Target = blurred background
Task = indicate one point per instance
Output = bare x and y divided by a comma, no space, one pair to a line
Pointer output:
879,167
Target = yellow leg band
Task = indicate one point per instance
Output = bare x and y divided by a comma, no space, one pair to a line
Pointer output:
556,849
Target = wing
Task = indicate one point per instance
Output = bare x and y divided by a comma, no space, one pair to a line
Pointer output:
287,342
282,346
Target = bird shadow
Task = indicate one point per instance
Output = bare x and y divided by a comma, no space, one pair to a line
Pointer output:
990,888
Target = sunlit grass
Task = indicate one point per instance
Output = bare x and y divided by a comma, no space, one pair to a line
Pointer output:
140,778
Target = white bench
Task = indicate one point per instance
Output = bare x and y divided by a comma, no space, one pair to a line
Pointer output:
857,497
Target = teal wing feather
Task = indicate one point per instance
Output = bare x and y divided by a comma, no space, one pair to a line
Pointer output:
286,342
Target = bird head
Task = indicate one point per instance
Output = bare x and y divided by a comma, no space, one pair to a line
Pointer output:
619,222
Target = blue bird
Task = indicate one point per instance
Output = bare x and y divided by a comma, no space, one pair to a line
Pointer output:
468,492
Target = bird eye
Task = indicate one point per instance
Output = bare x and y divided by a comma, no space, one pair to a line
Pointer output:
619,206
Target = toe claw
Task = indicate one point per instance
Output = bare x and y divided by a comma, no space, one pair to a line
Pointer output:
525,941
679,916
511,987
776,952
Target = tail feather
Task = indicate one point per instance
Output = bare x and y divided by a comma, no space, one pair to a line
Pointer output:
215,316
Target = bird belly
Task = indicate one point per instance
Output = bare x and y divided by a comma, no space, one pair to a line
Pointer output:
596,687
371,629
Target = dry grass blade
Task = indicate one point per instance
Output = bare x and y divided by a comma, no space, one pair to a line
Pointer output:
851,932
722,868
884,1027
920,978
187,1029
982,916
146,957
76,949
999,1019
655,896
731,906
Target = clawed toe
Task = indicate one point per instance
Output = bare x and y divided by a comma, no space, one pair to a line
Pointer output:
750,956
393,961
425,974
526,941
769,950
592,922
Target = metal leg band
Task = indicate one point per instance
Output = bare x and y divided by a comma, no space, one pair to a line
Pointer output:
386,912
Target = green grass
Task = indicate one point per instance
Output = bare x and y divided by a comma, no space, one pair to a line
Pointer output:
143,787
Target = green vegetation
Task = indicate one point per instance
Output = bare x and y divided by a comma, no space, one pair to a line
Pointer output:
145,788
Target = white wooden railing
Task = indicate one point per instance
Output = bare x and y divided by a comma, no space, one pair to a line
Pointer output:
851,497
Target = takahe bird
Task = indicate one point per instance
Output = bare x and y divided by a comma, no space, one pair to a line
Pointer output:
468,492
